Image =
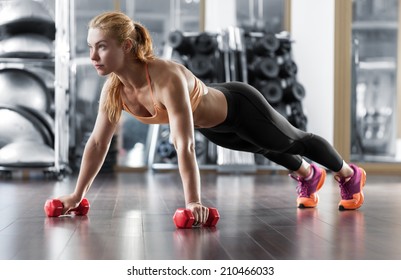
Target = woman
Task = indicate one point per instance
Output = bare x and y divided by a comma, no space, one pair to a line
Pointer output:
233,115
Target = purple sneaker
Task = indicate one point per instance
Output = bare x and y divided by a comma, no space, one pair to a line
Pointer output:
351,189
307,189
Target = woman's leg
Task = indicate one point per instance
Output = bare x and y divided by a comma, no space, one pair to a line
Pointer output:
253,120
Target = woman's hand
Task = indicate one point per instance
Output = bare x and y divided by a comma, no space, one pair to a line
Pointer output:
69,202
200,212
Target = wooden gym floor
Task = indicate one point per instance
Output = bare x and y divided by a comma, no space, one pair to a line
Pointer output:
131,218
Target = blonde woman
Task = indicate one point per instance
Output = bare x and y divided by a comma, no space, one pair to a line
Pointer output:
233,115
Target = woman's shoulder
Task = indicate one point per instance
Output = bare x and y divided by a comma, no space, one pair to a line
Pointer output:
167,65
168,69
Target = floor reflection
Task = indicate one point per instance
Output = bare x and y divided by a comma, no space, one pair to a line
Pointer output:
350,235
61,232
318,238
197,243
66,225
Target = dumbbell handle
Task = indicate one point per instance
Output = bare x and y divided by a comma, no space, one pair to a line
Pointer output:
54,208
183,218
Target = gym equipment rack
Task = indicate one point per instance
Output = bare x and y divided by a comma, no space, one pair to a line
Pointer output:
261,59
60,66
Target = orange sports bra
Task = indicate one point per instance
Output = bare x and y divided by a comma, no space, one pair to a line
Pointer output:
161,115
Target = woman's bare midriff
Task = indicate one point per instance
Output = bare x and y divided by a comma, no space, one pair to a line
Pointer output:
212,110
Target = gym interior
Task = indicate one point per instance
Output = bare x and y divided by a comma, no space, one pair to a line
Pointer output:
330,67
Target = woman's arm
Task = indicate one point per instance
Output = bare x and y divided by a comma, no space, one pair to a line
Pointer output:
176,100
93,157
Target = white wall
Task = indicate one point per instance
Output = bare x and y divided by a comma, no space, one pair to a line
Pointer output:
312,28
219,14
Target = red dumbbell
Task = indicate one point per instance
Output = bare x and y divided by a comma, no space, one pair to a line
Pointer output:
54,208
183,218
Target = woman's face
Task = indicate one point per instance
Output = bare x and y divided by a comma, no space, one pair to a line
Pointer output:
106,54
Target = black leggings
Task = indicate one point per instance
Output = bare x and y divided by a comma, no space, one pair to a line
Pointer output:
252,125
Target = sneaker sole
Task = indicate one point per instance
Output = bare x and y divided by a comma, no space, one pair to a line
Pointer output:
306,202
358,197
